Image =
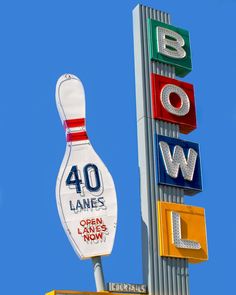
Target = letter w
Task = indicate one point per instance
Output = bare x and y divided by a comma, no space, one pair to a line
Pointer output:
172,164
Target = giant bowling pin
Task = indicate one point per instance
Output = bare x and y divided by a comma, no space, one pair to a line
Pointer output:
85,192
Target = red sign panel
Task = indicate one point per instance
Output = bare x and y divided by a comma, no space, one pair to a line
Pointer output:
173,101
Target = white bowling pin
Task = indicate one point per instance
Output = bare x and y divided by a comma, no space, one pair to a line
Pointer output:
85,192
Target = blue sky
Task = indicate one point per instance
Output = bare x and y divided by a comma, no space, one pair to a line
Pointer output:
41,40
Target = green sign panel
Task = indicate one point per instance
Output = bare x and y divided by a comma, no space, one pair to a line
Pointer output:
170,45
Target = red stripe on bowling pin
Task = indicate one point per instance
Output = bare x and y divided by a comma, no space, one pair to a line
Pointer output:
74,123
75,129
78,136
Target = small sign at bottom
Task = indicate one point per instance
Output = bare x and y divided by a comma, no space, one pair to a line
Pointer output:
127,288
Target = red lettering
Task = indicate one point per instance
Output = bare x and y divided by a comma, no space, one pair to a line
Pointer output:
99,221
92,229
99,236
82,222
104,228
93,237
86,230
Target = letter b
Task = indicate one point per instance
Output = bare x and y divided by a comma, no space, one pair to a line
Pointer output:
171,45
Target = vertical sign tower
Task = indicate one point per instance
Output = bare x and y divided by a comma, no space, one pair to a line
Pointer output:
169,167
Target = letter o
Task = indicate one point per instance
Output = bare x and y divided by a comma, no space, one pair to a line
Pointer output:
92,237
166,103
82,222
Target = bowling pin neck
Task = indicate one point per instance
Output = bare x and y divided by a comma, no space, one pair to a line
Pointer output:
70,99
75,130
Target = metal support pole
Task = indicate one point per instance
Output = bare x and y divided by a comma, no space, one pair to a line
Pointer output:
98,273
163,275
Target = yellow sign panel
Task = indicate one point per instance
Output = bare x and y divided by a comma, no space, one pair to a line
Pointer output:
182,231
65,292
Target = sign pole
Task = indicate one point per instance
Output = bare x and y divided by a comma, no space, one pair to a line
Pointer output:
98,273
163,275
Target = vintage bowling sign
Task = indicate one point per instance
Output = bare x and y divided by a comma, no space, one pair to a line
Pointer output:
85,191
181,228
173,101
178,163
182,231
170,45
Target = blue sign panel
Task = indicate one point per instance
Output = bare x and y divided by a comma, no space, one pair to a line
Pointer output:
178,164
